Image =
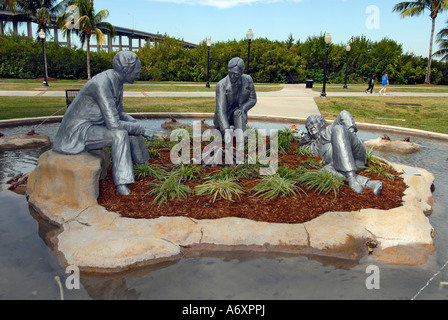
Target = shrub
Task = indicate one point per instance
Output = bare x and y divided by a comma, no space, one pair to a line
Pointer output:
323,181
271,187
223,188
168,188
149,171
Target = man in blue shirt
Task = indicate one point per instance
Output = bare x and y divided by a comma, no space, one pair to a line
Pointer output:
385,84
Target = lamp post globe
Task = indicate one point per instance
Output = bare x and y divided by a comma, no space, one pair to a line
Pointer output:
348,49
327,42
249,37
328,38
42,37
209,44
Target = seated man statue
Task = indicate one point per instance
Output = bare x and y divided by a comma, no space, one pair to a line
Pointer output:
235,96
96,120
341,150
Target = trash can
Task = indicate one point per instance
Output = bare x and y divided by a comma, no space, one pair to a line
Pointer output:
309,84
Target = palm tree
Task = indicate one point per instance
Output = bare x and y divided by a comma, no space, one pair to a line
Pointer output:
418,7
43,10
8,5
442,40
89,24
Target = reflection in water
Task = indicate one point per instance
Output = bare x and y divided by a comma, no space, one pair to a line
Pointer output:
29,262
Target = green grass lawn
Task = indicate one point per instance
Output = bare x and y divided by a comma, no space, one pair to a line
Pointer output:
390,89
28,107
148,86
394,111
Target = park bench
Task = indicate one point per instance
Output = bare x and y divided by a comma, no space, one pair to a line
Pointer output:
70,95
292,79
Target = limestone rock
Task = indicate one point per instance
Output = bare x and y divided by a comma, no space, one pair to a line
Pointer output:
64,185
64,189
402,147
23,141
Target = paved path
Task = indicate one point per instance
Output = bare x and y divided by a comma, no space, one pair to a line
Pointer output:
294,100
291,101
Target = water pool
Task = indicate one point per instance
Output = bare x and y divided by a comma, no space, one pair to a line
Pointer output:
28,265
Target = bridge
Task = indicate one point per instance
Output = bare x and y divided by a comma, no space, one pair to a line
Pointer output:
131,36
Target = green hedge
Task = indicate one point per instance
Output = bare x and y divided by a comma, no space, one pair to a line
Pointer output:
270,61
21,58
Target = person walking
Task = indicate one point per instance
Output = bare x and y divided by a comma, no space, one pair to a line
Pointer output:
371,83
385,83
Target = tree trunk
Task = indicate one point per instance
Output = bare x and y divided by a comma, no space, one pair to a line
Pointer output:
89,75
428,70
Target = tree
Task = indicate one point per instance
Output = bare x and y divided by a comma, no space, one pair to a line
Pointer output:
90,23
442,40
8,5
43,10
418,7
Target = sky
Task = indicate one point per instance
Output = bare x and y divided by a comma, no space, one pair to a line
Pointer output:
222,20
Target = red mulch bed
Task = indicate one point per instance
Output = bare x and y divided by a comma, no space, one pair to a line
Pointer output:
293,209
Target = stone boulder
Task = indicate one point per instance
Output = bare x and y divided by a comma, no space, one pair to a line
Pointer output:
23,141
397,146
64,189
63,185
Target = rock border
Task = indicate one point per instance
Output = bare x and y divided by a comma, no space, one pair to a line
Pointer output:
64,190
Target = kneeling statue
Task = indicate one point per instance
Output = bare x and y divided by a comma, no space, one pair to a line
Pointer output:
341,150
235,96
96,120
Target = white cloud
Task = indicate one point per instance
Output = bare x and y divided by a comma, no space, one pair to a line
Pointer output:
223,4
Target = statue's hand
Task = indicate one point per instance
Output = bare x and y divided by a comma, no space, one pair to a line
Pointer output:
148,134
239,112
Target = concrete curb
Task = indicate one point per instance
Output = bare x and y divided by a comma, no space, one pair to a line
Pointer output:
292,120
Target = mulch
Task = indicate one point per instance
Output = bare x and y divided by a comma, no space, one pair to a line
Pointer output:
296,209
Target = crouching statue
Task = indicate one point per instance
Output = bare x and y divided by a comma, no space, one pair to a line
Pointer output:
340,149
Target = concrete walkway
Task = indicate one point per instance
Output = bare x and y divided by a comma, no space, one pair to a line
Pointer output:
292,101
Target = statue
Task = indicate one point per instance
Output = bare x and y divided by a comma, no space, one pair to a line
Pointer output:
235,96
96,120
341,150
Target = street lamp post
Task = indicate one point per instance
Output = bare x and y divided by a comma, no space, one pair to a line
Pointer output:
348,48
249,36
209,43
44,54
327,42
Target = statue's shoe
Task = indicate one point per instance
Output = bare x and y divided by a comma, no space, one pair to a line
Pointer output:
123,190
376,186
354,185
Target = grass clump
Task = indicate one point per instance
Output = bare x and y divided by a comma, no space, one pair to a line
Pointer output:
372,159
149,171
285,137
323,181
271,187
224,188
303,151
187,172
380,171
377,166
168,188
